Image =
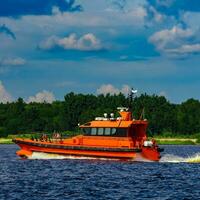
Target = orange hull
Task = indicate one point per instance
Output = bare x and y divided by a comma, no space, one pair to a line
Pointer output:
27,149
29,146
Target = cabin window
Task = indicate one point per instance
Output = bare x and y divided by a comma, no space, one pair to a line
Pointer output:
93,131
100,131
114,132
86,131
107,131
121,132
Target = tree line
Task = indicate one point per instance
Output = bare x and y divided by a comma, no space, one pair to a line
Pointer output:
20,117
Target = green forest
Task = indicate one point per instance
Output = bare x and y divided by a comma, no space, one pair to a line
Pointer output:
20,118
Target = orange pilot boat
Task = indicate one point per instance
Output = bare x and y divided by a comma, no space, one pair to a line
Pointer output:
105,137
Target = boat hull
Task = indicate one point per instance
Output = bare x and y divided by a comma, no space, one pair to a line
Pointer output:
28,147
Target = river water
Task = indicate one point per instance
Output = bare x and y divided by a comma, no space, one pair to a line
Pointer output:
174,177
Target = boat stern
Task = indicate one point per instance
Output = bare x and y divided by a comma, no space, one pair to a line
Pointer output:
151,151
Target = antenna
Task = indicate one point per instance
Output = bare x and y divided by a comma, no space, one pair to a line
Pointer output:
131,96
142,114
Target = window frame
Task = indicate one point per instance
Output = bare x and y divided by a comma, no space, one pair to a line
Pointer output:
118,132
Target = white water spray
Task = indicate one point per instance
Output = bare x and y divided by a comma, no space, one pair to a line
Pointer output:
167,158
47,156
170,158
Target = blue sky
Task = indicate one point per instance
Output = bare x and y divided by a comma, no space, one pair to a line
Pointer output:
51,47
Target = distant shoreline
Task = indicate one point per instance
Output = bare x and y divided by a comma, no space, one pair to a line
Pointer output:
160,141
177,141
6,141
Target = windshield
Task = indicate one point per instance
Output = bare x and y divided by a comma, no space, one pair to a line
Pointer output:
114,132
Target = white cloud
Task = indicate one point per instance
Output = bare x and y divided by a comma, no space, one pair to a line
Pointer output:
125,89
87,42
110,89
97,15
32,29
4,95
191,19
176,41
138,13
41,97
163,93
164,38
157,17
12,61
186,49
165,3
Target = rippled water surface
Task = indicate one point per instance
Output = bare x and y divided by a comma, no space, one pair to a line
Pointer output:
172,178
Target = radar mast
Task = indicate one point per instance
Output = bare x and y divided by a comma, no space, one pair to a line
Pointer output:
131,96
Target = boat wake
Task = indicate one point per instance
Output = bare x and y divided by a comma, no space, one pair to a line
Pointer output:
194,159
40,155
170,158
47,156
